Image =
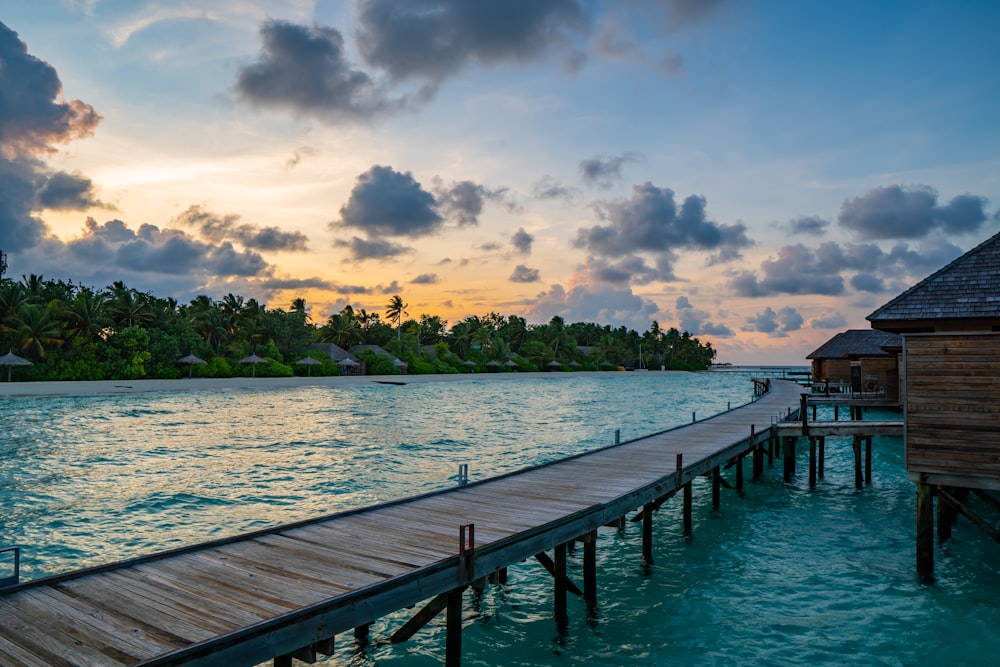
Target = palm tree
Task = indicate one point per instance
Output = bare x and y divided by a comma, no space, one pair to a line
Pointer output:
341,329
128,307
86,316
34,328
395,312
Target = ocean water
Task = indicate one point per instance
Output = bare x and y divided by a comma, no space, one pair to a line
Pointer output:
783,575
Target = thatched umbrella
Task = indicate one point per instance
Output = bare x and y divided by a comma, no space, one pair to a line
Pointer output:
348,363
553,364
493,364
10,360
469,363
309,362
253,359
511,363
191,360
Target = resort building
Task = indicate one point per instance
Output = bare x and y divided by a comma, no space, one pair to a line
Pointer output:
950,365
858,361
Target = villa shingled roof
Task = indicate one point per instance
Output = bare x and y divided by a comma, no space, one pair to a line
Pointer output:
967,288
857,343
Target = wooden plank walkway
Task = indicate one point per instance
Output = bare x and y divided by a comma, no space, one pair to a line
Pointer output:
243,600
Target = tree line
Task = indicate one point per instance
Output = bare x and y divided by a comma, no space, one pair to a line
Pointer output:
74,332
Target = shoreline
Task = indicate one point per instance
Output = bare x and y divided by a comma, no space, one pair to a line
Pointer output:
117,387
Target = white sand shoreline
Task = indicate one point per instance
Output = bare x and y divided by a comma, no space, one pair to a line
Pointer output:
110,387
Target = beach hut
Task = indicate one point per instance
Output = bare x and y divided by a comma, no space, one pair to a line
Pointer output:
10,360
950,327
191,360
858,360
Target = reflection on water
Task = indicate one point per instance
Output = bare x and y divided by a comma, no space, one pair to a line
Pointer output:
782,576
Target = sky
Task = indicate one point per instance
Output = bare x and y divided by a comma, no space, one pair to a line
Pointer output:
760,174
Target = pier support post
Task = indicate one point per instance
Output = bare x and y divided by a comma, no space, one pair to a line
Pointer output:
559,575
590,573
361,633
647,534
716,484
788,452
739,472
856,446
925,529
812,461
868,460
687,510
453,625
757,462
821,457
945,518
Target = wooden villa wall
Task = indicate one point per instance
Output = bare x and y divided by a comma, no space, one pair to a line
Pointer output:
952,406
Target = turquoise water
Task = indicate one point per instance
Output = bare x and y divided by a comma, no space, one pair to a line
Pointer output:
783,575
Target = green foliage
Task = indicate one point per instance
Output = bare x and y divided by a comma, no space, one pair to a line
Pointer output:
377,364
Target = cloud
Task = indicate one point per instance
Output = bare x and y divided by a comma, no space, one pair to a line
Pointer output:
391,288
696,322
19,228
592,303
549,188
522,240
65,191
866,282
425,279
305,69
431,40
897,212
629,269
605,171
828,321
391,203
299,283
362,249
775,324
807,225
31,120
650,222
523,274
796,270
218,228
463,201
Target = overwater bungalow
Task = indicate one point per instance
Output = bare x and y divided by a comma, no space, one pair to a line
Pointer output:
950,356
858,361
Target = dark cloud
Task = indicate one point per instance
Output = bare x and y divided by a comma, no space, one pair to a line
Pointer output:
220,228
523,274
696,322
522,240
775,324
489,246
897,212
362,249
807,225
391,203
592,303
305,69
433,39
549,188
425,279
629,269
801,270
297,283
828,321
391,288
19,228
463,201
31,120
650,222
64,191
605,171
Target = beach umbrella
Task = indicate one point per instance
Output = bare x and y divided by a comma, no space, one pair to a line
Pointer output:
191,360
347,363
253,359
493,364
575,364
553,364
309,362
511,363
469,363
10,360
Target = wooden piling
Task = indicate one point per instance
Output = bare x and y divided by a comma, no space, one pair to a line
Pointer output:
361,633
647,534
559,604
453,626
821,456
925,529
812,461
868,460
686,510
739,471
715,488
856,446
788,452
590,573
945,518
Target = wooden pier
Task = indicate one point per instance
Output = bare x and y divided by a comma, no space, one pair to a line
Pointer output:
286,592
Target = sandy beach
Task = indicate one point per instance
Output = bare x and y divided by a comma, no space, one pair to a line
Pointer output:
101,387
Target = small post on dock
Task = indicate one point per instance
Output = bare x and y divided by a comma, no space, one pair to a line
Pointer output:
463,474
925,529
618,436
693,419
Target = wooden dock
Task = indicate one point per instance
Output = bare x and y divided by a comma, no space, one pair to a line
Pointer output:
285,592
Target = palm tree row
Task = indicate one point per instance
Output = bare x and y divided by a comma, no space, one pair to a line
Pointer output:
75,332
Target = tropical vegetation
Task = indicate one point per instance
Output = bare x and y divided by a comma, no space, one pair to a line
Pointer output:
74,332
